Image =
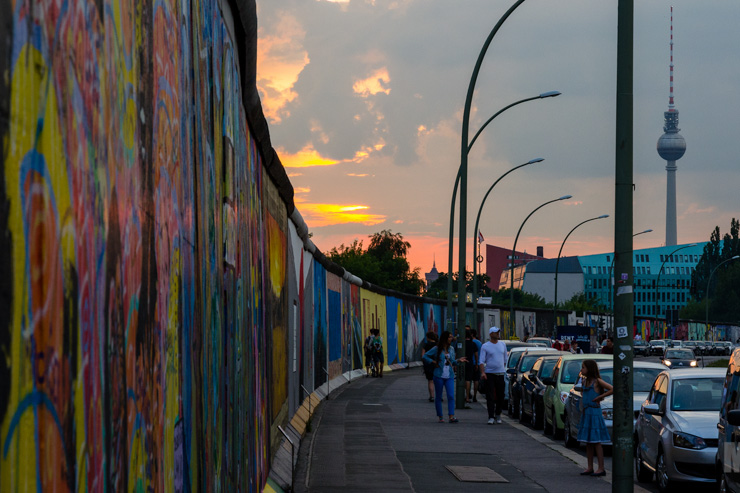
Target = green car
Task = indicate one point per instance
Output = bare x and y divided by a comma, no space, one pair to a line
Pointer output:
564,376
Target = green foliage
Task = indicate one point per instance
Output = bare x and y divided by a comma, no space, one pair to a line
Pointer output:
724,292
720,363
579,303
438,289
384,262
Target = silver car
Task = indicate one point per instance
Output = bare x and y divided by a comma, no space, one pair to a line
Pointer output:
643,376
677,427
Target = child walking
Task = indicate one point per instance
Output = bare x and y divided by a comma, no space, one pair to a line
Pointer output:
592,428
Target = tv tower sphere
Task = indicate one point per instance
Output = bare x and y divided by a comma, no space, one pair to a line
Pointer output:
671,145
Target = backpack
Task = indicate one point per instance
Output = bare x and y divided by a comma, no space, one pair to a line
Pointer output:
378,344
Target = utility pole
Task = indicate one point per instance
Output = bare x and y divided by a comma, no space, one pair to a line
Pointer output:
622,460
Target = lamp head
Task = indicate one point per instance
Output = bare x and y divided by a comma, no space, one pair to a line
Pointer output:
536,160
603,216
735,257
565,197
549,94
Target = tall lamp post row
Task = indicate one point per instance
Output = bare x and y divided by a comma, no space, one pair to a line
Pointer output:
475,238
709,282
557,264
660,272
549,94
512,324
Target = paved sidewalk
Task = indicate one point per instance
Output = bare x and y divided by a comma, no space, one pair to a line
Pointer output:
382,435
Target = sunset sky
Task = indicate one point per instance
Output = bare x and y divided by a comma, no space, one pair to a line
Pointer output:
365,100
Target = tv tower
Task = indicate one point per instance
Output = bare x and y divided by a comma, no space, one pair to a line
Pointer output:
671,147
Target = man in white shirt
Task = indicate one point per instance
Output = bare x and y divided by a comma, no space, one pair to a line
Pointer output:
492,358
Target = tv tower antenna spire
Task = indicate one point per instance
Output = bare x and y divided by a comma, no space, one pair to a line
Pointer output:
671,147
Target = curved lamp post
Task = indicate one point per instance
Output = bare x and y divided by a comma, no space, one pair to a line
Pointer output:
657,282
557,264
609,280
475,238
512,326
709,282
549,94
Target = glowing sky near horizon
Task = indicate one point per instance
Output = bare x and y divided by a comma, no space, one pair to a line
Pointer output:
364,100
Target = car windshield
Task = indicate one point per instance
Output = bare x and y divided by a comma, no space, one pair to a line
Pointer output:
640,343
697,394
643,378
689,343
528,361
547,367
514,359
570,371
679,354
657,343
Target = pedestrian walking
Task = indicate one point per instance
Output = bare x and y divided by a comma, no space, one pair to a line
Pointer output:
378,358
476,376
442,358
431,342
368,349
492,363
592,428
471,352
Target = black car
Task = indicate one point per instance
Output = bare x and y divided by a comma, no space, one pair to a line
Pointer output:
514,375
532,389
642,348
657,347
680,358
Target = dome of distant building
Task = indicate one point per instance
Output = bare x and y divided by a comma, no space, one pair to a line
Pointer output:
671,146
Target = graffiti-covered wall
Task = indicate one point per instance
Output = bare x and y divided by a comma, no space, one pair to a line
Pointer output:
162,309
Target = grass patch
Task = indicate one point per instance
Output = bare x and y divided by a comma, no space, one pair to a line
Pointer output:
720,363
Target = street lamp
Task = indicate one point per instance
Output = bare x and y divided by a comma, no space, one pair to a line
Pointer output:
549,94
709,282
475,238
512,325
609,280
657,282
557,263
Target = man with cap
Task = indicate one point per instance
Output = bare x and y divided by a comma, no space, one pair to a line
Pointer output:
492,359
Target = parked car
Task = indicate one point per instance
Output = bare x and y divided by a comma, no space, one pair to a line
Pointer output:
540,340
532,388
677,358
677,427
693,345
728,451
564,376
643,376
724,348
514,349
514,376
657,347
642,348
676,343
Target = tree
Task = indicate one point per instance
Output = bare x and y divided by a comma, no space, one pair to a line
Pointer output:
438,288
384,262
579,303
725,289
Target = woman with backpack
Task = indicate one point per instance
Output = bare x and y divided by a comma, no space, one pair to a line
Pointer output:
442,358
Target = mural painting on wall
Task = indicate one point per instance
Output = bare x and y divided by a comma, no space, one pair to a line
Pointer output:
352,327
374,316
277,306
434,318
334,328
319,324
394,316
490,318
527,324
414,330
307,335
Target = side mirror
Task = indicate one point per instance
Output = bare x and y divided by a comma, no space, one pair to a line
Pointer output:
651,409
733,417
548,381
511,371
578,388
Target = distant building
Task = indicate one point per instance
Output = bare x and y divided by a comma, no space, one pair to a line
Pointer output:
539,278
432,275
498,260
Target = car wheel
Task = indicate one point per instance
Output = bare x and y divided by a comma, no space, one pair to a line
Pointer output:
546,428
568,440
536,417
644,475
661,473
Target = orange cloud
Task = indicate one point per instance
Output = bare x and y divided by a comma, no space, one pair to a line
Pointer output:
280,60
306,157
317,215
375,83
